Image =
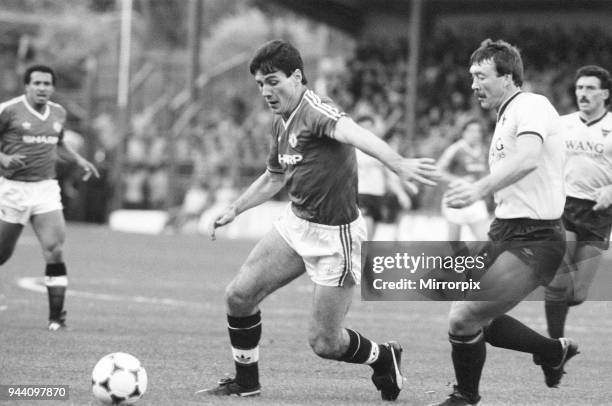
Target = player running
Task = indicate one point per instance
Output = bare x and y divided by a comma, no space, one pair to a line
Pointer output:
588,209
31,136
320,232
527,241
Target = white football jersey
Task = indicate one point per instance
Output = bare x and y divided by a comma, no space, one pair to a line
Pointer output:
589,154
539,195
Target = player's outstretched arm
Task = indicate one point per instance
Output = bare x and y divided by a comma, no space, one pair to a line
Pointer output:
263,189
66,151
422,170
462,193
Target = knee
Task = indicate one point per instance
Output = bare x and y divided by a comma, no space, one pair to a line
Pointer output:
462,323
53,251
324,345
238,300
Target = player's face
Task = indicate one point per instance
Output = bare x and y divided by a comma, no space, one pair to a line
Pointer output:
40,88
281,92
489,88
591,98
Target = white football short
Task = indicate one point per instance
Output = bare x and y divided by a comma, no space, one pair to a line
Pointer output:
21,200
471,214
330,253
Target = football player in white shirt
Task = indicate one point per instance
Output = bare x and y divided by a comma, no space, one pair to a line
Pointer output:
527,241
587,216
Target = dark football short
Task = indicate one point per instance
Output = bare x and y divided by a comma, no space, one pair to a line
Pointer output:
591,227
538,243
371,206
392,209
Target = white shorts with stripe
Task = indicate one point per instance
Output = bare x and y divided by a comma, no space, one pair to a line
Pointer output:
331,253
21,200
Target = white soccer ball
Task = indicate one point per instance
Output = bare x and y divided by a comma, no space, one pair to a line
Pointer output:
118,379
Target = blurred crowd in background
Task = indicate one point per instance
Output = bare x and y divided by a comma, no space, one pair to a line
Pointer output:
373,82
186,171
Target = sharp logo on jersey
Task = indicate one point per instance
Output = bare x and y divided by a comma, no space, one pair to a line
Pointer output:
39,139
292,140
289,159
57,127
26,125
605,132
584,146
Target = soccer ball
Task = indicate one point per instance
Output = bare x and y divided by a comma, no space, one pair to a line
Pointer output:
118,379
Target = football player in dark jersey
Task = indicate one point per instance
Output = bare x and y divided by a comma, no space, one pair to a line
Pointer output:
312,154
31,136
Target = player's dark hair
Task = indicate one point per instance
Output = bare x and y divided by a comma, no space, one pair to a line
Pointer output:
38,68
600,73
277,55
506,57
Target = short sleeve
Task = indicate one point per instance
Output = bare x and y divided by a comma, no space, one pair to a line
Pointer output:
62,120
325,126
5,119
533,116
272,163
324,115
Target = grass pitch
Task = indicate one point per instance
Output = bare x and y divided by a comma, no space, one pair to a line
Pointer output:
160,298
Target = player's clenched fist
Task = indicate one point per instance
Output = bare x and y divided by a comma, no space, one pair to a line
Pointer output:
604,198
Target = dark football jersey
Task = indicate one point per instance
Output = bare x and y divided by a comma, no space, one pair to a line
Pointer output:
25,131
468,162
320,172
